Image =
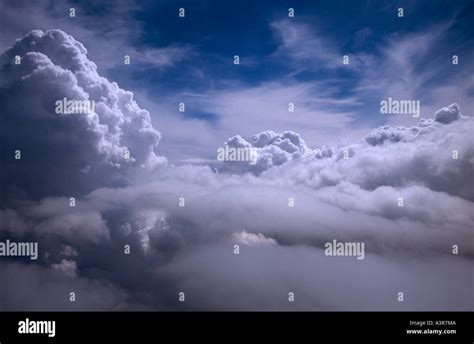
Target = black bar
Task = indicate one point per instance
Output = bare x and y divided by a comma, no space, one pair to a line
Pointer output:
87,326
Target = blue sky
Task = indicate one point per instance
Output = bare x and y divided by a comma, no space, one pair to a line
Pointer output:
218,30
283,60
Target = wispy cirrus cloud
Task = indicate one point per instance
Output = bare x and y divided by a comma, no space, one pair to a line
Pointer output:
109,32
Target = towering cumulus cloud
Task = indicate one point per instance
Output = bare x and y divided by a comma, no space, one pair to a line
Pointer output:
241,238
66,152
271,149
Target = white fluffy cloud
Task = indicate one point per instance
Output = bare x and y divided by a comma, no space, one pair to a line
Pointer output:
438,154
253,240
272,149
69,152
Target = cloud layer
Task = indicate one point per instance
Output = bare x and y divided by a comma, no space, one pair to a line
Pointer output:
142,231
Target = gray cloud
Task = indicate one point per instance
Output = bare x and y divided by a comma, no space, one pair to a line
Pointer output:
33,288
448,114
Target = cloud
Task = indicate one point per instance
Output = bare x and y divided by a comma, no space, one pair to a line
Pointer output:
395,66
68,267
435,153
261,279
191,248
253,240
164,57
271,149
55,66
310,49
241,109
34,288
109,31
302,44
395,156
448,114
348,192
